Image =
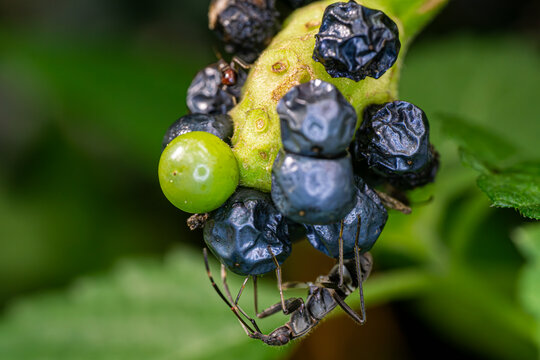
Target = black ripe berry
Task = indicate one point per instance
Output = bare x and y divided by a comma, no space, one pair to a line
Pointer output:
208,94
240,231
425,176
368,218
316,120
219,125
355,41
311,190
245,26
394,142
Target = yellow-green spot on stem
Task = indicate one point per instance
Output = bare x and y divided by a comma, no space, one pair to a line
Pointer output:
288,62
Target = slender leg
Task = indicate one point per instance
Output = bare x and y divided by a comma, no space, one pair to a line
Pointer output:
359,274
224,282
348,309
285,308
340,243
295,285
241,290
393,203
249,331
242,310
255,295
240,62
292,304
360,281
228,292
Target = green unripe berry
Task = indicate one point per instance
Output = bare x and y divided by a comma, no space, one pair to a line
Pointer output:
198,172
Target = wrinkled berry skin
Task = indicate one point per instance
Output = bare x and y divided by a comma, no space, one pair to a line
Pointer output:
316,120
425,176
244,25
219,125
311,190
207,94
239,232
355,41
394,140
372,214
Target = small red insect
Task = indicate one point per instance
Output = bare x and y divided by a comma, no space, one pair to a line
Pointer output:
229,73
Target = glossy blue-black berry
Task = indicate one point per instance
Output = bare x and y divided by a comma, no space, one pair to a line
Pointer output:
415,179
208,95
355,41
316,120
240,231
312,190
372,215
394,140
219,125
244,25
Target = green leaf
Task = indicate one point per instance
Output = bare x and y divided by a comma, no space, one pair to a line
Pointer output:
143,310
517,187
486,146
527,240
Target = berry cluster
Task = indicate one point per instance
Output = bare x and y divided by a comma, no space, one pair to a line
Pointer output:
324,178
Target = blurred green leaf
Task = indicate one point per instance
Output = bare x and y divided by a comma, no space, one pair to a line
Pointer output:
142,310
528,241
486,146
473,301
517,187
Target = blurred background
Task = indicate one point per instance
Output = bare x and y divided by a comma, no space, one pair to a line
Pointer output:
87,89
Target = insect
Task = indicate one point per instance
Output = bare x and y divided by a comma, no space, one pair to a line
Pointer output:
229,72
324,295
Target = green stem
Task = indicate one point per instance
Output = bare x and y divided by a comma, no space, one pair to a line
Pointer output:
395,285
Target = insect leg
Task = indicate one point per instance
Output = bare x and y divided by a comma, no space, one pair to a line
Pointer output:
255,295
340,261
347,309
360,281
294,303
291,304
393,203
227,291
240,62
359,274
249,331
224,282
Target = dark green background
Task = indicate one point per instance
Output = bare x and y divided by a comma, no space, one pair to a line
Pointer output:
88,88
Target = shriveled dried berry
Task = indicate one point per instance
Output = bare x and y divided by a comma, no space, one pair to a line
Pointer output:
423,177
394,141
240,231
244,25
208,95
219,125
311,190
316,120
355,41
368,211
